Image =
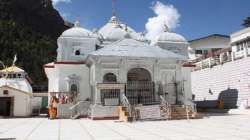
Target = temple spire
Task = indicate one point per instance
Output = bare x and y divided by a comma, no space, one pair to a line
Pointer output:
77,22
166,28
113,8
14,60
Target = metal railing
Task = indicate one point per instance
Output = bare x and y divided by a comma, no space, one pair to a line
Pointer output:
193,105
125,102
77,109
110,97
166,107
141,92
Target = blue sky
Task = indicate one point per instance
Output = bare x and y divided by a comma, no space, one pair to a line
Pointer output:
198,17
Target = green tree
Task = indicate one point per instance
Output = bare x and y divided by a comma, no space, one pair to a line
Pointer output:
246,22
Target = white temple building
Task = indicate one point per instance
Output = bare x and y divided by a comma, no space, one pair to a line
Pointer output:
15,93
95,70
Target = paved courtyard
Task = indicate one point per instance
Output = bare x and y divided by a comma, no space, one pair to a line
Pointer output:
216,127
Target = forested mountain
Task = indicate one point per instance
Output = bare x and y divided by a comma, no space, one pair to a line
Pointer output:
29,28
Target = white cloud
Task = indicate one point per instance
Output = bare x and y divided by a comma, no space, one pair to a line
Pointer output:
58,1
165,14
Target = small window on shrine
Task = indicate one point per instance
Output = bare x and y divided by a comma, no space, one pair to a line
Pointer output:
205,51
77,52
74,88
5,92
198,51
14,76
19,75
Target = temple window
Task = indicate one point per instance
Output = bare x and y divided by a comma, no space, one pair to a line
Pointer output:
238,48
74,88
198,51
77,52
5,92
109,78
110,97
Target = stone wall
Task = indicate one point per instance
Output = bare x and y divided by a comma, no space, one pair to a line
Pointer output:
229,81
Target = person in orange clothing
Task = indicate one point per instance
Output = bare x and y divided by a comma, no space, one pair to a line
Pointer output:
53,108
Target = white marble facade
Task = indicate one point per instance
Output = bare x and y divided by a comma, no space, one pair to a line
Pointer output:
85,57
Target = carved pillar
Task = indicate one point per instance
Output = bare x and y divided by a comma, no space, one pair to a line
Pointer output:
98,96
228,55
245,49
209,62
221,58
232,55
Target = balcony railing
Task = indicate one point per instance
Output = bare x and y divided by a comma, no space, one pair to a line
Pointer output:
217,58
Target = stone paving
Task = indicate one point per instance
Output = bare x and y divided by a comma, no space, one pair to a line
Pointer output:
216,127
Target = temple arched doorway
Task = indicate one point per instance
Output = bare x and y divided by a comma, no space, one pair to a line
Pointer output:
140,87
110,96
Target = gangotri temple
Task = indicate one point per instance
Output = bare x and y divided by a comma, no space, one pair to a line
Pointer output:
96,72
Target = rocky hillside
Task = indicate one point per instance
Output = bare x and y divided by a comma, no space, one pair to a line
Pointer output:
29,28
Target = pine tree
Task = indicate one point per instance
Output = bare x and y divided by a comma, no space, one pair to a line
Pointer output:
246,22
30,31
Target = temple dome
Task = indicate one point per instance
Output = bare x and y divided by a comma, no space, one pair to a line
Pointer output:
117,33
115,30
172,37
77,32
168,36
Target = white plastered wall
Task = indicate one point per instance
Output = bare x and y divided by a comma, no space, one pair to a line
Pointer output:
22,102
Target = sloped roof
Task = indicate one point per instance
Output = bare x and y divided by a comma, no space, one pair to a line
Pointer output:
209,36
132,48
20,84
9,87
13,69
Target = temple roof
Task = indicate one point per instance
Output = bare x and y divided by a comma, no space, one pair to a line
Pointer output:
132,48
20,84
12,69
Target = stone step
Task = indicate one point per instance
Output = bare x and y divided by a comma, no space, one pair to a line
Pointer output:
123,108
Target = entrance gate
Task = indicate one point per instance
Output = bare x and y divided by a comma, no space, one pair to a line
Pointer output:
139,87
140,92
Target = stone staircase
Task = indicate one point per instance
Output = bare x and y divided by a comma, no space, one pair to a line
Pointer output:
179,112
124,115
78,109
